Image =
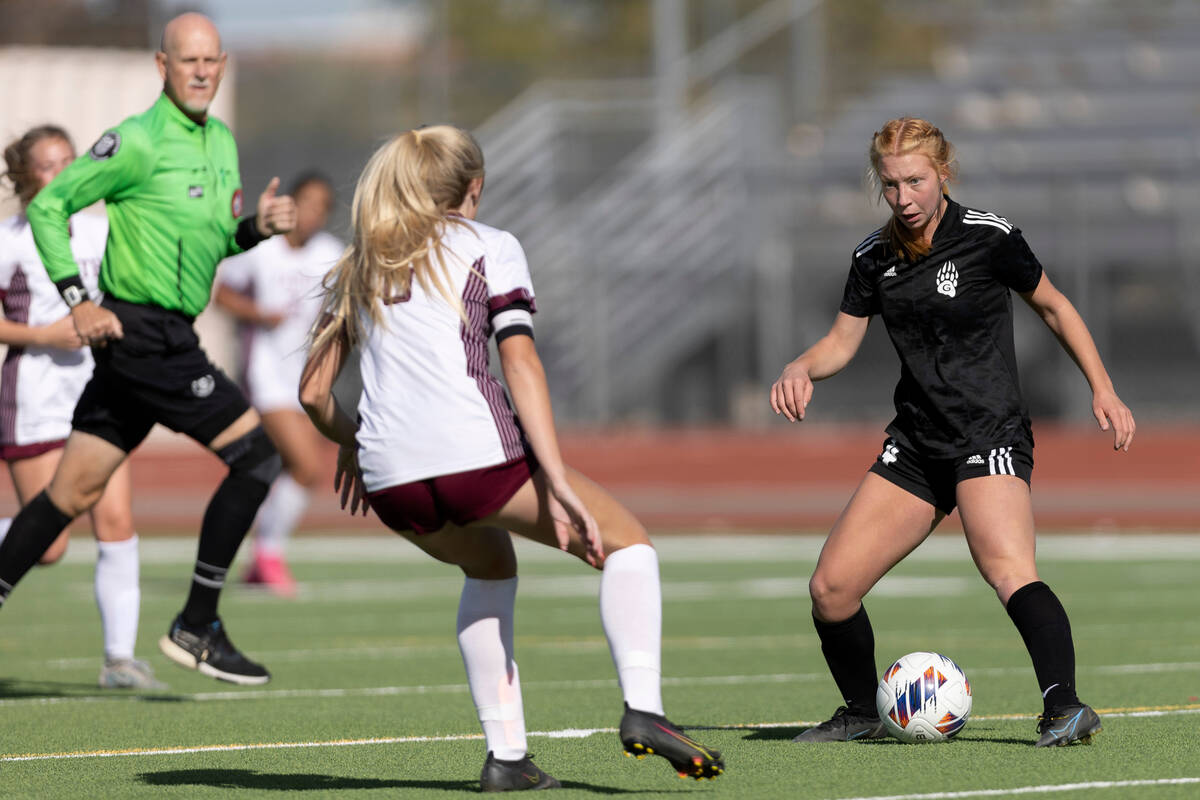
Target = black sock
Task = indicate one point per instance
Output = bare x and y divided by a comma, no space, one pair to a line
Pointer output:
849,648
1043,624
32,532
226,520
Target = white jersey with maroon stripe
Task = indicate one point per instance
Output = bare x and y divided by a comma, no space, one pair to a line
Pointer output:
39,385
429,406
283,280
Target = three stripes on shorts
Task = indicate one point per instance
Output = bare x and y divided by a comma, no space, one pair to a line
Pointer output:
1000,461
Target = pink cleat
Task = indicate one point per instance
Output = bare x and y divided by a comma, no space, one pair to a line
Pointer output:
271,572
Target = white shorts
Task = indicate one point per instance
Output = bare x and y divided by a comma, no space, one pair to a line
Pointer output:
273,383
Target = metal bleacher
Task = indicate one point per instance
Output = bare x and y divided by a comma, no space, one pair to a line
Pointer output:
1081,125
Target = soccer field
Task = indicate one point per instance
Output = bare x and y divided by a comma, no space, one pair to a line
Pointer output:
368,697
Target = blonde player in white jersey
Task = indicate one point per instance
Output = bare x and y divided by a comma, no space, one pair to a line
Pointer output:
44,371
274,291
445,463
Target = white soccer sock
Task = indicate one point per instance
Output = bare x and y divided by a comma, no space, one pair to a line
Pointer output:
280,513
485,637
5,524
631,612
118,595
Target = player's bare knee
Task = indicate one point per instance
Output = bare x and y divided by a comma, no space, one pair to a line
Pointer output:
306,475
74,501
55,552
112,524
831,601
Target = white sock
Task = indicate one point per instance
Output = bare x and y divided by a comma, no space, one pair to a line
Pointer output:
631,612
485,637
280,513
5,524
118,595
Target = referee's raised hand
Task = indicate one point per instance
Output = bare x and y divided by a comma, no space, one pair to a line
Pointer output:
276,213
95,325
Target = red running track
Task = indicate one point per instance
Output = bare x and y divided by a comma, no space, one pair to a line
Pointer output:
786,479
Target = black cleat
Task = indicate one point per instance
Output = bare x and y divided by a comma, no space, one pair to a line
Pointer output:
845,726
514,776
645,734
206,648
1067,724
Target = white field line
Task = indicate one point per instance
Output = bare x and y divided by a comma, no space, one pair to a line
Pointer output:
693,549
1042,789
565,733
461,688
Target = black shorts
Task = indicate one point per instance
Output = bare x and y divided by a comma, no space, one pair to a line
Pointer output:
155,373
935,480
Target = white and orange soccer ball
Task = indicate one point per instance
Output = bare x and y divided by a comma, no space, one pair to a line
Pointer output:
923,697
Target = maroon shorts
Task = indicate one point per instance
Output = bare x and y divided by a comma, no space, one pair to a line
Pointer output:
429,505
16,452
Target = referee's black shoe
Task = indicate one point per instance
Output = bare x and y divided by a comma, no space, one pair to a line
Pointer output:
206,648
1066,724
514,776
645,734
846,725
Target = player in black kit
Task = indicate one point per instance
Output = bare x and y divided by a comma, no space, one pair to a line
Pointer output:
940,275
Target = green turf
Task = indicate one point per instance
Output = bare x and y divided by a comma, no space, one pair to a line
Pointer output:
368,652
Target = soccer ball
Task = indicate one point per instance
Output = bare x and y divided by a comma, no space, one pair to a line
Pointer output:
923,697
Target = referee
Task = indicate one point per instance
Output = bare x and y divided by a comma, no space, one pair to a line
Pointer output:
169,178
940,275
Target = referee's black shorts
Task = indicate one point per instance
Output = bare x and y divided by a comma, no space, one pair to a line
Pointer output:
935,480
155,373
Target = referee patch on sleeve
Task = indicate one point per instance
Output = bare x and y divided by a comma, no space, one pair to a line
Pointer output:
106,146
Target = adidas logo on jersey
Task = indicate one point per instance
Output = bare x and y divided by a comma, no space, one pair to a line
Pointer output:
890,453
891,272
947,279
975,459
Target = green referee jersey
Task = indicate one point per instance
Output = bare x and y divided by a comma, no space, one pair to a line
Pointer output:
173,195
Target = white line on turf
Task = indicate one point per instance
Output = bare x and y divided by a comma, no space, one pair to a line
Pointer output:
458,688
696,549
1042,789
565,733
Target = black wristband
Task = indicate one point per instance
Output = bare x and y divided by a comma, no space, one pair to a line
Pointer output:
247,232
72,290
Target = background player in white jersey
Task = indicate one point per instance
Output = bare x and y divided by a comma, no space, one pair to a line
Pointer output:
941,277
44,371
443,459
274,291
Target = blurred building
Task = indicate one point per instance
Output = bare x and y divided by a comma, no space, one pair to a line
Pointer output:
686,175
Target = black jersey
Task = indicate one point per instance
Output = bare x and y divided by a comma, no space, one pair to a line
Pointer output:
949,316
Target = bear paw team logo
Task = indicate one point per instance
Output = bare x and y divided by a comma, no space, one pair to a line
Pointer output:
890,453
947,279
236,204
203,387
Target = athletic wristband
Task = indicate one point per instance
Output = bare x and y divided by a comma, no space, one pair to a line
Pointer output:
247,232
72,290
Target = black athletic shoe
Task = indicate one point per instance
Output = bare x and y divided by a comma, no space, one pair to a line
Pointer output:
645,734
845,726
514,776
206,648
1067,724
